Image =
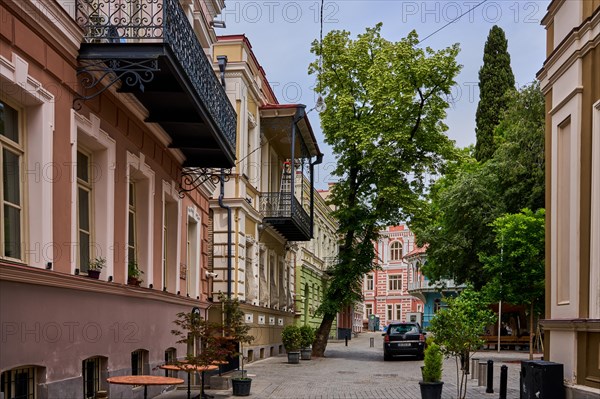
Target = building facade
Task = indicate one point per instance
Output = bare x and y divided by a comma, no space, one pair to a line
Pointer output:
105,106
431,293
385,290
265,208
570,82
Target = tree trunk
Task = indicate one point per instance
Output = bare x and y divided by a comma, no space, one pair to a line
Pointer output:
322,335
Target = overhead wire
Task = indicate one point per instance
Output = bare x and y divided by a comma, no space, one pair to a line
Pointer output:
453,21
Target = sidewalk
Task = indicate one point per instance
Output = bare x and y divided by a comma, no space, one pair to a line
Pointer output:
358,371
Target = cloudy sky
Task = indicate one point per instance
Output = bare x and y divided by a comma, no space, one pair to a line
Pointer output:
281,33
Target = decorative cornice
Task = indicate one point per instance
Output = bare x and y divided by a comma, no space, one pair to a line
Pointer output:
28,275
588,325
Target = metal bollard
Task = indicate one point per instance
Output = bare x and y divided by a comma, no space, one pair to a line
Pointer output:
346,340
372,342
503,381
490,377
474,368
482,373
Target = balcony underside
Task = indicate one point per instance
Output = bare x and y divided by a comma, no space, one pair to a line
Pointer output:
171,100
289,228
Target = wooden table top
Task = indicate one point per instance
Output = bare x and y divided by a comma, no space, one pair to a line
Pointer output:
144,380
188,367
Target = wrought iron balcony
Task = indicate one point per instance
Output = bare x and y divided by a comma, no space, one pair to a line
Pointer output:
149,46
284,212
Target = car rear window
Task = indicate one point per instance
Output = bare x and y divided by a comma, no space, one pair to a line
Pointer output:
403,329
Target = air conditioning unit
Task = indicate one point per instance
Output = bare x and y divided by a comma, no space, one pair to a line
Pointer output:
542,380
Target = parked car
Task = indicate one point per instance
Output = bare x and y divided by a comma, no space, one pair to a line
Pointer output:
403,339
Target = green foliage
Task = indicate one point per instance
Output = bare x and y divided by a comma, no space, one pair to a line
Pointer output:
193,330
456,219
432,365
291,338
517,267
307,334
458,327
385,105
495,80
235,328
133,269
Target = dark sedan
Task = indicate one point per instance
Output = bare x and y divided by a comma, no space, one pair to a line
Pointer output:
403,339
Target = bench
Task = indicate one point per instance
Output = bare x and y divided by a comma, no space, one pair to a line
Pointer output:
505,340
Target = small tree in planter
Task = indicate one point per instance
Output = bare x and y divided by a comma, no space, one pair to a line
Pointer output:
457,329
134,273
203,337
307,334
431,386
291,338
236,331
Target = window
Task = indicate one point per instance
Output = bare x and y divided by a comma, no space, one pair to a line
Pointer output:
419,308
390,315
398,311
18,383
171,237
170,358
138,362
395,282
11,157
396,250
369,282
368,310
131,219
84,210
436,305
91,377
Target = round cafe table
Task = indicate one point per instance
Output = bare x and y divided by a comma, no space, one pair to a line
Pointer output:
189,368
144,380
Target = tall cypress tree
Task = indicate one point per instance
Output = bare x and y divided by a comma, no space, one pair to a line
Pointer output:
495,78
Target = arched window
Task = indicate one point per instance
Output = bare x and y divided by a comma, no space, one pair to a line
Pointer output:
396,250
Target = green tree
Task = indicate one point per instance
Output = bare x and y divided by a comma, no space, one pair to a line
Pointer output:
517,267
458,329
456,218
384,105
495,80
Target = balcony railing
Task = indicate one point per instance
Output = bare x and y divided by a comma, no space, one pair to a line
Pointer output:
285,213
139,23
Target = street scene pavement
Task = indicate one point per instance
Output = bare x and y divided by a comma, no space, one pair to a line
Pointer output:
359,371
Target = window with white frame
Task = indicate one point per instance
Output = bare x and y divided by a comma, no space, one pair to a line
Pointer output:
398,311
11,161
369,282
193,253
85,209
368,309
140,215
19,383
390,312
170,358
170,259
93,192
396,251
394,282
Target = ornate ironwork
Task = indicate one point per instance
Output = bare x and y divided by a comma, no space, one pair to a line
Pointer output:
281,205
192,178
112,71
160,21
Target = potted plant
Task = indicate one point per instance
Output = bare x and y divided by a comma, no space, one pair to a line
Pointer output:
95,266
291,338
307,334
237,331
134,273
431,386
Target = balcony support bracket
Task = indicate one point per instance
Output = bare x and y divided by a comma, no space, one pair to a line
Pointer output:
99,75
192,178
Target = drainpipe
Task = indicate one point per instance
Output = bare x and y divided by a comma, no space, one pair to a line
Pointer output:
318,161
222,205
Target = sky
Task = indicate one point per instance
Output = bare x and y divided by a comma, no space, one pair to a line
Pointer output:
281,33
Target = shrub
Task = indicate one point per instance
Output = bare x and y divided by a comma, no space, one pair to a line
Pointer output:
432,369
291,338
307,334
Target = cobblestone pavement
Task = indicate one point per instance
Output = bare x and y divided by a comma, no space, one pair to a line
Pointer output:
358,371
